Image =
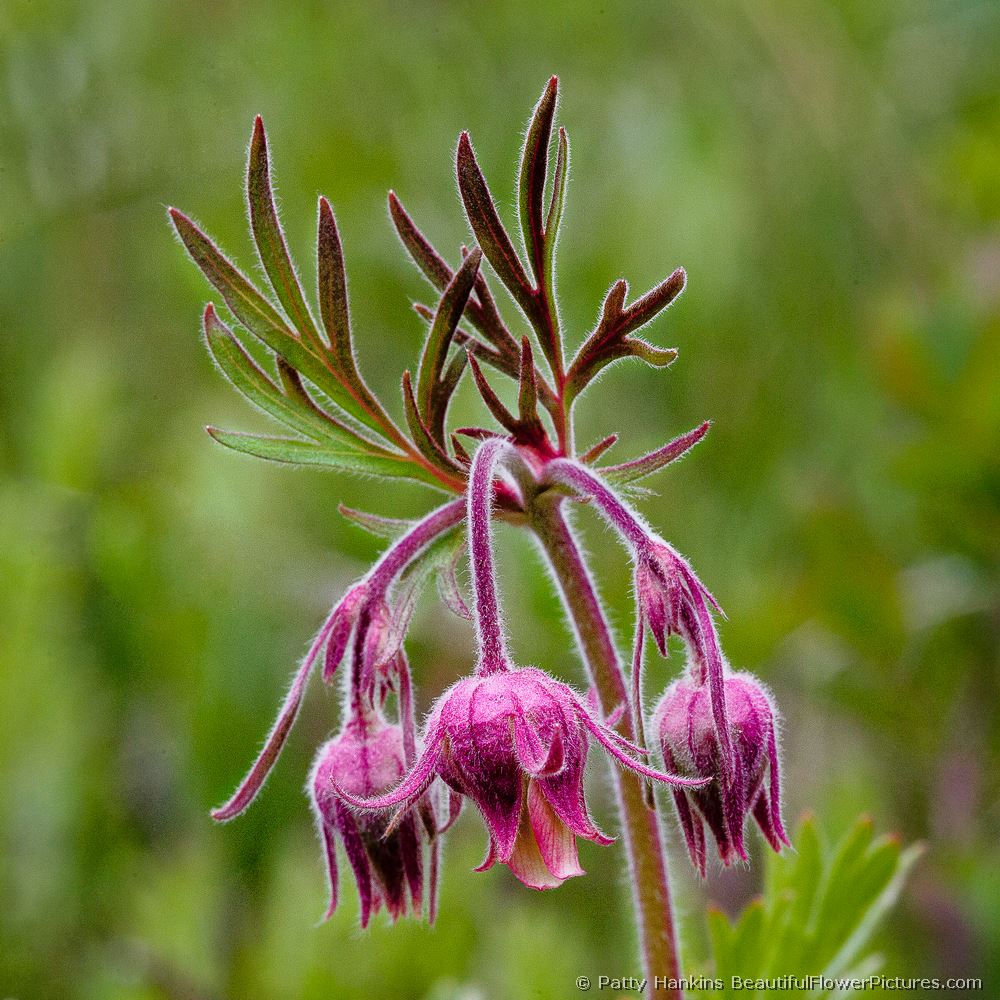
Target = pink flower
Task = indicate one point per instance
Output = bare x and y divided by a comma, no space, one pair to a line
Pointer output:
684,722
386,858
515,742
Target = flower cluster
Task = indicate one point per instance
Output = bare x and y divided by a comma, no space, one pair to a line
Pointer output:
712,723
513,740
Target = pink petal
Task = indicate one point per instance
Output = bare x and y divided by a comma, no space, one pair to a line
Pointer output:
526,860
534,757
357,857
556,842
490,860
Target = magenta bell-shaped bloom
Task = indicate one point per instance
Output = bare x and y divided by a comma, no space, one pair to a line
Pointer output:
515,742
386,858
686,729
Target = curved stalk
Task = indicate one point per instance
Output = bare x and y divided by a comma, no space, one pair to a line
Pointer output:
390,564
489,624
639,823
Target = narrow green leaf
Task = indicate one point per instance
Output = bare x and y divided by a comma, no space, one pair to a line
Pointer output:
838,882
270,239
263,321
237,365
490,232
422,437
246,302
439,338
594,452
720,933
420,249
298,392
554,218
446,389
849,904
819,911
649,306
748,944
534,167
332,282
295,452
527,397
481,309
494,404
639,468
383,527
611,339
656,357
557,202
881,882
800,879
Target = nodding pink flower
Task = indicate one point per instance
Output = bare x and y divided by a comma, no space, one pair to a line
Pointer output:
386,858
515,742
685,726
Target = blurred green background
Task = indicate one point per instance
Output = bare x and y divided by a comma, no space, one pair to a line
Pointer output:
827,173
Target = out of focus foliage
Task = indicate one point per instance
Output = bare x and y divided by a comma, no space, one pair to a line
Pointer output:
827,175
816,918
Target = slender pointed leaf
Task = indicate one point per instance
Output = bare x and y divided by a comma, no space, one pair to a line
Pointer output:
481,308
534,167
611,339
527,397
650,305
639,468
246,302
494,404
593,453
332,283
435,352
422,436
237,365
296,452
383,527
490,232
558,200
260,317
270,239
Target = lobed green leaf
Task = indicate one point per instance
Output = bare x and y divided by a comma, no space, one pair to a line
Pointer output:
296,452
243,372
818,912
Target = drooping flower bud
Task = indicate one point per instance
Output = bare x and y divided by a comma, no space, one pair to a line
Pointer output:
671,600
515,742
385,857
670,596
684,723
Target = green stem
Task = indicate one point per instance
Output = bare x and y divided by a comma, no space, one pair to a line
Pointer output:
639,823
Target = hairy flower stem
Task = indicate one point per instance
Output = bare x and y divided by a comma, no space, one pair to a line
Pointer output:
640,824
380,577
492,647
